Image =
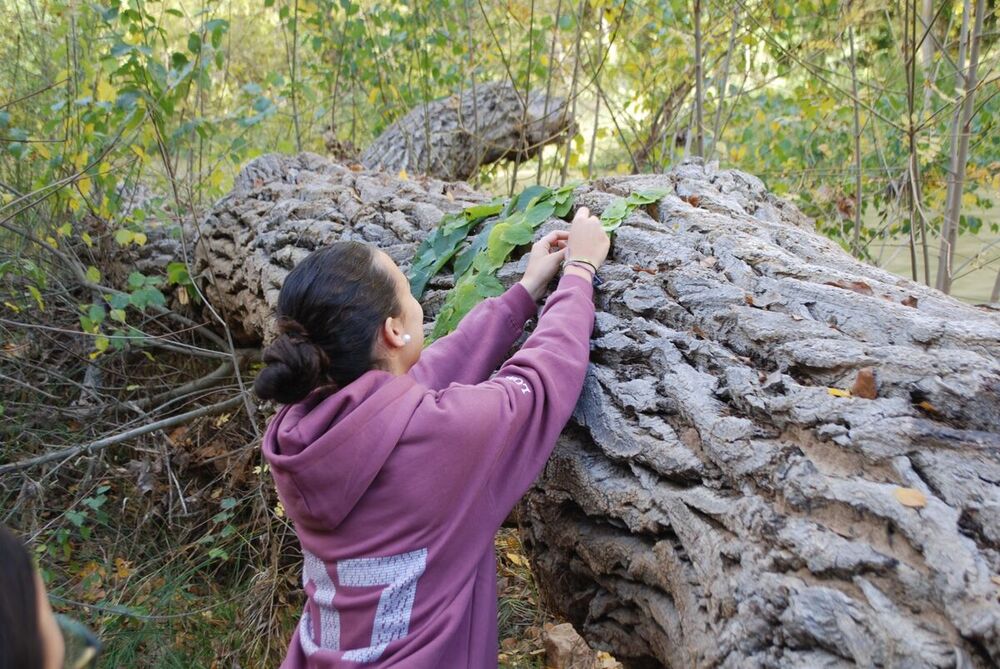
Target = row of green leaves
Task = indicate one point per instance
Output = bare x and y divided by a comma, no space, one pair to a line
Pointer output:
506,226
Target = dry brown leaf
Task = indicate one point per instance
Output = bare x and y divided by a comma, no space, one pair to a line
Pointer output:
864,384
911,497
708,261
910,301
692,200
647,270
177,435
928,407
995,579
749,299
856,286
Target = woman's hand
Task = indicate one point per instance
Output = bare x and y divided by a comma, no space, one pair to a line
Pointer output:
546,257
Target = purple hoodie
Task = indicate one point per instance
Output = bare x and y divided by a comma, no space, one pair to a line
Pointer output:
397,484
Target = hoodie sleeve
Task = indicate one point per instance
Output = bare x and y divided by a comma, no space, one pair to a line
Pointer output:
511,422
478,344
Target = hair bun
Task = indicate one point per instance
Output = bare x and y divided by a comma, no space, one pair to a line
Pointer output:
291,327
295,366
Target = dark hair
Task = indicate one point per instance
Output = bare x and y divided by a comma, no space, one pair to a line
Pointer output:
20,639
329,312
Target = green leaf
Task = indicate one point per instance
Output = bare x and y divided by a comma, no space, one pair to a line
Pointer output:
519,234
465,258
497,249
117,300
616,211
96,313
177,273
143,297
537,214
488,285
647,196
451,223
531,195
124,236
481,211
136,280
93,274
460,301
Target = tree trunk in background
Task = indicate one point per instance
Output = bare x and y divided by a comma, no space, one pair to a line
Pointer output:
961,127
438,139
712,502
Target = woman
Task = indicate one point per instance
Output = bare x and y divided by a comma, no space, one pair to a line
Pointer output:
31,636
398,465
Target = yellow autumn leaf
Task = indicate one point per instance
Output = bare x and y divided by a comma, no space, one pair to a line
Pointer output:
517,559
910,497
215,180
105,91
122,567
837,392
84,186
403,175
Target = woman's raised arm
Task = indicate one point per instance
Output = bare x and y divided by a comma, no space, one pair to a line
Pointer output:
479,344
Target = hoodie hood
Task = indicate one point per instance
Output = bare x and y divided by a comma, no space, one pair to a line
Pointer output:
325,451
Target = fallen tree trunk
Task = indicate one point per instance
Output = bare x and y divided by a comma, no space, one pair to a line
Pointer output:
452,137
782,457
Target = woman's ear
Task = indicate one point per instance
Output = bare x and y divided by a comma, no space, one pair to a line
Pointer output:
392,332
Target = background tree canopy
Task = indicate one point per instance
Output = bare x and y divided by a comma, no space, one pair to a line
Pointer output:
121,122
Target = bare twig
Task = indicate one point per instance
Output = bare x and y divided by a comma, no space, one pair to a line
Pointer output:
94,446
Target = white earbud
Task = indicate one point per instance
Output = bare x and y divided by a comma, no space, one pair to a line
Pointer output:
406,338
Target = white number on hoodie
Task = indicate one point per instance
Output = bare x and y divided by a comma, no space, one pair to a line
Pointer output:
398,573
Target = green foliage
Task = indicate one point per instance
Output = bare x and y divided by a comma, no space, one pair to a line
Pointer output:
476,267
619,210
441,245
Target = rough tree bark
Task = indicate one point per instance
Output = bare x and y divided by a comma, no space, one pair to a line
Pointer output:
452,137
712,503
